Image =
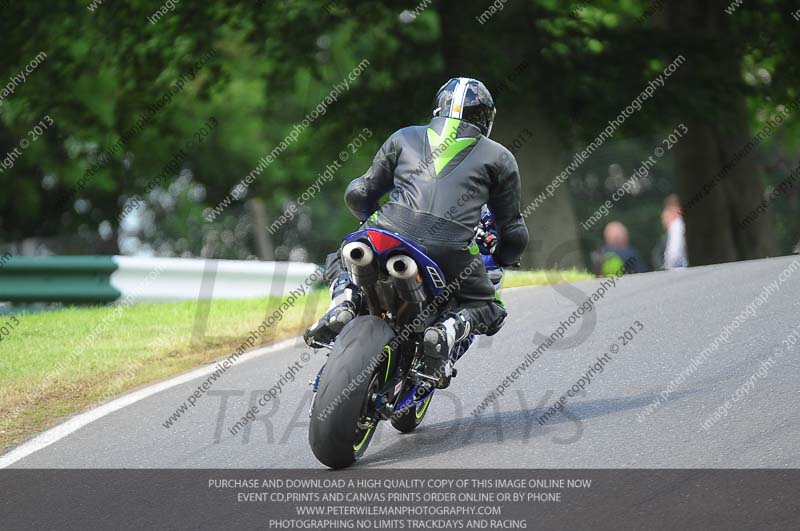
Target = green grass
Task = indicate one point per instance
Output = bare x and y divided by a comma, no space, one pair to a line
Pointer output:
515,279
58,363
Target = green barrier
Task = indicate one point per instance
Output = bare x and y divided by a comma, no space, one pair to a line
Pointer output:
75,279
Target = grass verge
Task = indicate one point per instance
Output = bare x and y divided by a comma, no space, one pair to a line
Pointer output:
58,363
541,277
55,364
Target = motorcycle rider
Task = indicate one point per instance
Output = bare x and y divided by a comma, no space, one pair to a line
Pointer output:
440,176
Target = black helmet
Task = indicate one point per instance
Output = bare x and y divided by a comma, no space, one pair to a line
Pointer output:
466,99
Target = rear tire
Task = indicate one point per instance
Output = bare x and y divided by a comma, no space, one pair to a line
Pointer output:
356,367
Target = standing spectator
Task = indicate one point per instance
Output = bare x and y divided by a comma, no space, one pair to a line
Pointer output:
617,253
672,220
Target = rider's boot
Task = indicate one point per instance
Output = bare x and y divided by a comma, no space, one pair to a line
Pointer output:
438,344
345,305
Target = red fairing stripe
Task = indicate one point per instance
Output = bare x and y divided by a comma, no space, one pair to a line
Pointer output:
383,242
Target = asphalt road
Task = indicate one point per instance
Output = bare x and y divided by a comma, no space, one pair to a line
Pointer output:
605,426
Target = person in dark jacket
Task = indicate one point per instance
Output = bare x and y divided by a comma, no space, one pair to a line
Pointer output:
617,256
440,175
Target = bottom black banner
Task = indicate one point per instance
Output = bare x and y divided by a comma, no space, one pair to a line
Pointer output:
400,499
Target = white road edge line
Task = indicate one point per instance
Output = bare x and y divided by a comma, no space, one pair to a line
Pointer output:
80,420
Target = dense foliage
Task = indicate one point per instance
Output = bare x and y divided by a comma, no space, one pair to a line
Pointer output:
204,93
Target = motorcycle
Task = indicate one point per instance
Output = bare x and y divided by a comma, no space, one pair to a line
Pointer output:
374,371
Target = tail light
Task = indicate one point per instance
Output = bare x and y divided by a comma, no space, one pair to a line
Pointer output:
383,242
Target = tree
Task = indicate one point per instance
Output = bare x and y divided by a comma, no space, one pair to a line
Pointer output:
719,180
559,73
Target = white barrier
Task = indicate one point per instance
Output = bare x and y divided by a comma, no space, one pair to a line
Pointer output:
162,279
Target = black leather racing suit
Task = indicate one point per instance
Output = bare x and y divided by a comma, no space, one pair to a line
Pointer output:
439,177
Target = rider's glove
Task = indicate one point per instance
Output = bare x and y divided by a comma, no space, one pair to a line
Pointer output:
486,240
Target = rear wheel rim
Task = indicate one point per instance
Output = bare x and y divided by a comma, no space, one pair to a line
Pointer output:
357,447
363,435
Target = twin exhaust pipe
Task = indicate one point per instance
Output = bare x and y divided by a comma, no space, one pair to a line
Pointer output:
404,271
402,267
358,254
360,261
